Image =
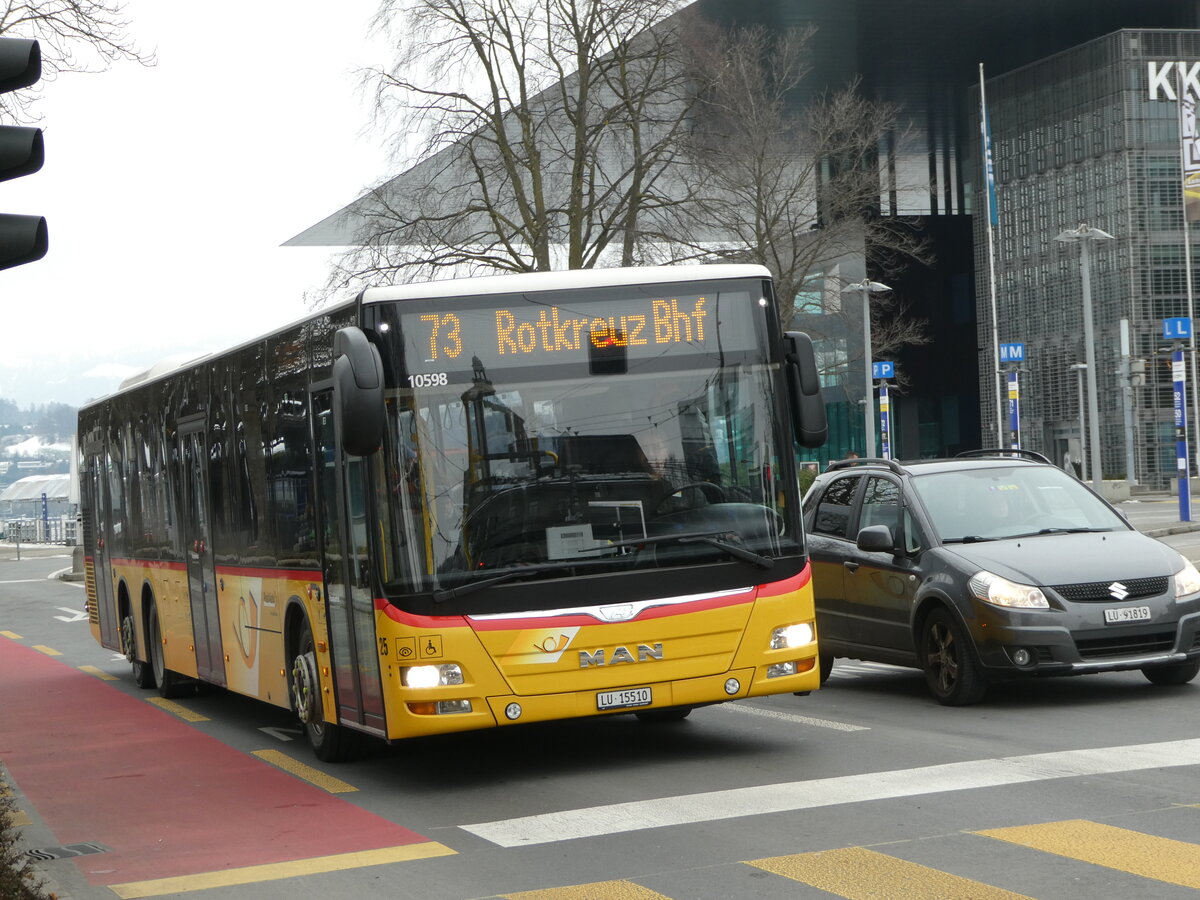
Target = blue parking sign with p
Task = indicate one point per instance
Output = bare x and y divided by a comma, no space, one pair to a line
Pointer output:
883,370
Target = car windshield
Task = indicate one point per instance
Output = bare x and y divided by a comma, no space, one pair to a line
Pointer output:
503,468
998,502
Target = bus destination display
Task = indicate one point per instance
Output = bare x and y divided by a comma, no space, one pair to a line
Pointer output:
532,334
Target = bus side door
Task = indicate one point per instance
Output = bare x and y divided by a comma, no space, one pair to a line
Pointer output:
197,545
341,511
93,486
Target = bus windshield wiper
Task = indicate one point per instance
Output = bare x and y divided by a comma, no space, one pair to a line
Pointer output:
444,594
719,539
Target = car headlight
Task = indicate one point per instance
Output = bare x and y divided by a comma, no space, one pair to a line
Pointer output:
1187,580
999,591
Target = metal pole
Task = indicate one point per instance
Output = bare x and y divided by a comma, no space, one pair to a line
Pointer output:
1127,405
1083,463
1089,345
868,389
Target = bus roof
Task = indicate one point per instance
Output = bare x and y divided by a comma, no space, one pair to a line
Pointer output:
557,281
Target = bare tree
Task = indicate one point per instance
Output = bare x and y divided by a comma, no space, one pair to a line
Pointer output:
73,35
794,186
545,129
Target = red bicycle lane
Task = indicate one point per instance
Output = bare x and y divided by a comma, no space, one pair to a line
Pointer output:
170,802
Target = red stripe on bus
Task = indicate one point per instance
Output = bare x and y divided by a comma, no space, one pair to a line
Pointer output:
415,621
149,564
101,766
313,575
788,585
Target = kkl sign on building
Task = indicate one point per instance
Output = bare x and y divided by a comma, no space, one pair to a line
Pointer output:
1167,81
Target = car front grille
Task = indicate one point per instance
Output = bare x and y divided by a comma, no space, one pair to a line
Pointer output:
1126,645
1100,591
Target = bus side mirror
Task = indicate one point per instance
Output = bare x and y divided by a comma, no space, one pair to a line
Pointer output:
805,403
357,391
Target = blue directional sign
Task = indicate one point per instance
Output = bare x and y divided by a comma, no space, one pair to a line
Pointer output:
1012,353
1177,328
883,370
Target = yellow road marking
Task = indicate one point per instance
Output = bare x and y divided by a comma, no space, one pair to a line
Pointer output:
308,773
273,871
92,670
600,890
175,709
11,634
1163,859
49,651
861,874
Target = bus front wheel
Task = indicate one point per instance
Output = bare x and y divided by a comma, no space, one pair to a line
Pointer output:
329,741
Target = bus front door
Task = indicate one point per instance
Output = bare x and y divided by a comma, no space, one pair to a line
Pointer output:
342,525
206,625
94,487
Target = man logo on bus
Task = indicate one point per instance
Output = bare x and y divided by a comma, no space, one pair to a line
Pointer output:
620,655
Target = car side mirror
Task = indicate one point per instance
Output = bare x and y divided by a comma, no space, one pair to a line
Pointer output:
876,539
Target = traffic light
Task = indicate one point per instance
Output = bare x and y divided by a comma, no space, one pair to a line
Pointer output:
22,238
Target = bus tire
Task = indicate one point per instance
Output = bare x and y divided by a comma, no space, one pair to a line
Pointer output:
330,742
169,684
143,673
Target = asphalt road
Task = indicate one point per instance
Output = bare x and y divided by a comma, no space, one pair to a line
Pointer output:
1058,789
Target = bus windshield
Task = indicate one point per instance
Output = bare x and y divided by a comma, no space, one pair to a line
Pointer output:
527,439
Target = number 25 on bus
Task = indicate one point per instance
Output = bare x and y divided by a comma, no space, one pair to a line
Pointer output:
467,504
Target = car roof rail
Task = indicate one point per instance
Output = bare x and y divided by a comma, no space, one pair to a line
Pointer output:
1006,451
854,461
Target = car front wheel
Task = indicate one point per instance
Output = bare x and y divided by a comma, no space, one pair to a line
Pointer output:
948,659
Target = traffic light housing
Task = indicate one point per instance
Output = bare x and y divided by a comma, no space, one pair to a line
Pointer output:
23,239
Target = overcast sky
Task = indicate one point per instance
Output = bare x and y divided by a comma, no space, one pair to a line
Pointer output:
168,190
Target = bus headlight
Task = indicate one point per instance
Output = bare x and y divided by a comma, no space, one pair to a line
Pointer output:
790,636
432,676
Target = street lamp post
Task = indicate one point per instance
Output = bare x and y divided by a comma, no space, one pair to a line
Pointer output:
866,288
1085,235
1079,368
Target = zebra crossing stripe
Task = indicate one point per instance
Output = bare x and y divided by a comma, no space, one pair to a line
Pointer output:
714,806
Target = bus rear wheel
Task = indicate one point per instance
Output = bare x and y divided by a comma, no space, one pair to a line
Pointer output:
143,674
329,742
169,684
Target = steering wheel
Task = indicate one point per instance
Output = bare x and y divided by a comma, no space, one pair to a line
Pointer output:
709,489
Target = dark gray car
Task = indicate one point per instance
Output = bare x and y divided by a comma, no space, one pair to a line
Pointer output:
994,564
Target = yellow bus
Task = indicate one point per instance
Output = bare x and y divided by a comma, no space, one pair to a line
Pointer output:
466,504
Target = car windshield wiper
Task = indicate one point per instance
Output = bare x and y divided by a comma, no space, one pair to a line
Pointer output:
1058,529
718,539
968,539
444,594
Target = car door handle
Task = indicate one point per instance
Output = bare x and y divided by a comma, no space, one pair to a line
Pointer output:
851,565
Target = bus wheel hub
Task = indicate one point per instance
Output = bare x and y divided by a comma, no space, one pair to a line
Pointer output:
304,687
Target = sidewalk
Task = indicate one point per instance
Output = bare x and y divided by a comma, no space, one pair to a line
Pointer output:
1157,514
